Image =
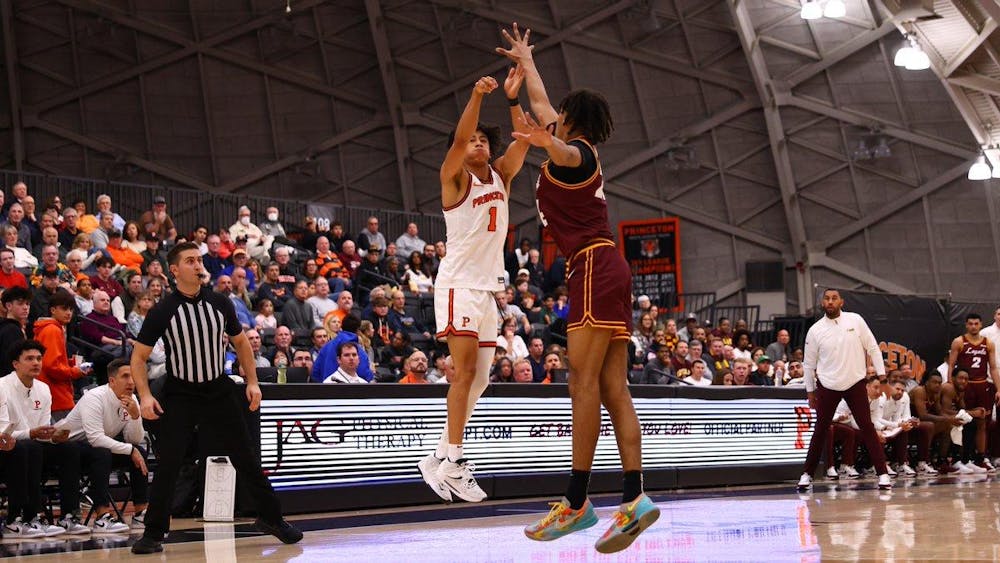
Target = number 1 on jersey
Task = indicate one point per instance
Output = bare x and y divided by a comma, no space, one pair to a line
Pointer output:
493,220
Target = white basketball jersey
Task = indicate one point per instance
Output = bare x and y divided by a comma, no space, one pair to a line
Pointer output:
476,230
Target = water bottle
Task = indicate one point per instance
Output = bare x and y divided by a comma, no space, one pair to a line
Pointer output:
282,371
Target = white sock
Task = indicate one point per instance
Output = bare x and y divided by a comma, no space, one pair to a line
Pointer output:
441,451
454,452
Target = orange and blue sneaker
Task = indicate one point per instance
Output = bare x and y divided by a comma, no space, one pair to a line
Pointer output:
562,520
628,522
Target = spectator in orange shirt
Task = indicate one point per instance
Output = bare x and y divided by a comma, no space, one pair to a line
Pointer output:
122,254
56,369
416,368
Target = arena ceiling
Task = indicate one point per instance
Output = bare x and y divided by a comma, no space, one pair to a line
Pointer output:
770,136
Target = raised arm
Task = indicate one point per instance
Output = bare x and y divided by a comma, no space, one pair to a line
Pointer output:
520,52
453,167
560,153
512,160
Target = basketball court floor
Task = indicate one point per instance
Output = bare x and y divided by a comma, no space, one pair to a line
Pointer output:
941,519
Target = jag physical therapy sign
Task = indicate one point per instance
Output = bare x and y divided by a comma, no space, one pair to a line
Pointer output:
653,250
309,442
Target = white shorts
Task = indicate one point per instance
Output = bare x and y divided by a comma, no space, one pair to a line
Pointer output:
466,312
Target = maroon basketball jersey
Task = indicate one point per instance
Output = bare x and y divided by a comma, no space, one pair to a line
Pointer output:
975,359
575,214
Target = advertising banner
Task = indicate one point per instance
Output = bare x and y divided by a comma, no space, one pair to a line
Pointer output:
316,442
653,250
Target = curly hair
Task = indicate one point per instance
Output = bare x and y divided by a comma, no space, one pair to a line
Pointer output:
589,113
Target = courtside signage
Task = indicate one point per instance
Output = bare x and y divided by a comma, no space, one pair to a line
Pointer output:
334,441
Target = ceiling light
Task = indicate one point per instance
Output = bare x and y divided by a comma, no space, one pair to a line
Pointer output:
882,149
811,10
912,56
980,170
860,152
835,9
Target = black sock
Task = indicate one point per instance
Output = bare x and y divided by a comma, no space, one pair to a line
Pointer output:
632,486
576,493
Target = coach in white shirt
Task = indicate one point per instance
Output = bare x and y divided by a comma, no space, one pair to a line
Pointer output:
94,424
835,369
29,403
992,333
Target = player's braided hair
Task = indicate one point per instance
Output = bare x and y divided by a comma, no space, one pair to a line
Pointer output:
589,113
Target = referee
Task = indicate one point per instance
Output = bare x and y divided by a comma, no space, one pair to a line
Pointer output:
191,322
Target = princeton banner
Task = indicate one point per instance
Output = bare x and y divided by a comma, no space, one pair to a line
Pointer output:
330,441
910,330
653,250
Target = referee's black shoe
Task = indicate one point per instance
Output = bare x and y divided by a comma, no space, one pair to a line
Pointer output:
281,530
146,546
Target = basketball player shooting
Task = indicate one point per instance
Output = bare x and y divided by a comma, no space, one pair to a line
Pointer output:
475,189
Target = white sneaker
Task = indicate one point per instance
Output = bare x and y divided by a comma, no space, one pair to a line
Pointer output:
73,526
925,468
139,521
805,482
47,529
990,468
109,524
962,469
906,470
975,468
890,470
831,473
20,529
457,477
428,470
884,482
850,472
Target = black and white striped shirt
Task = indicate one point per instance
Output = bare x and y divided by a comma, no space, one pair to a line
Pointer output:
192,330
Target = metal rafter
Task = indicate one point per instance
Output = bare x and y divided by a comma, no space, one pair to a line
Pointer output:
404,166
779,146
13,84
841,52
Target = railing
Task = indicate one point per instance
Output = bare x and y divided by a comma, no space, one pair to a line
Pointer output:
80,341
189,208
701,305
748,313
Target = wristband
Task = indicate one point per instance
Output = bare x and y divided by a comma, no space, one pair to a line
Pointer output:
513,102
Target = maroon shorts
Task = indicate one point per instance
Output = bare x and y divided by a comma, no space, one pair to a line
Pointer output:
980,394
600,290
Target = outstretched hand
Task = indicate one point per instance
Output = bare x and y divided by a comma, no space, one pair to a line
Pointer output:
515,78
485,85
533,132
519,49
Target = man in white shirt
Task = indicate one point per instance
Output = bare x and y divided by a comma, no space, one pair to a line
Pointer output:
896,411
834,368
697,377
14,470
320,301
348,360
992,333
29,403
94,424
410,242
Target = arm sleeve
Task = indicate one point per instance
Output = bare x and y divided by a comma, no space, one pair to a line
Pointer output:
92,417
871,347
118,310
809,361
134,433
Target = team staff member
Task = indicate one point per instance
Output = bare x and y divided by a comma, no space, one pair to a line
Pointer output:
835,369
192,322
98,417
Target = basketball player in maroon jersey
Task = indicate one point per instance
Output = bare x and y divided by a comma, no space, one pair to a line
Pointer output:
571,203
974,353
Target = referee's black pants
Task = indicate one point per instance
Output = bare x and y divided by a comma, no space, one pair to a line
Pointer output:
217,412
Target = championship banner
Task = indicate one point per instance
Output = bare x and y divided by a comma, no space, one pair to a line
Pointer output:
318,442
910,330
653,251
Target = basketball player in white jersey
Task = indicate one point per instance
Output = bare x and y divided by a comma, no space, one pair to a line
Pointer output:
475,189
